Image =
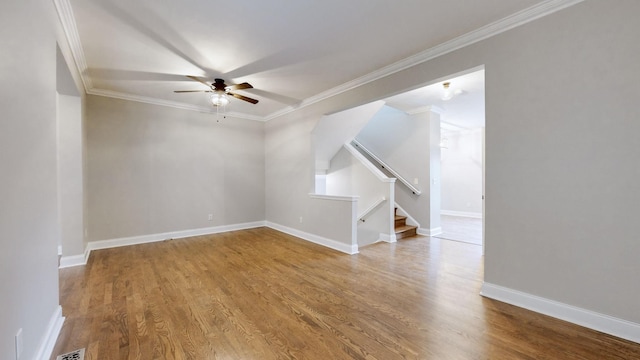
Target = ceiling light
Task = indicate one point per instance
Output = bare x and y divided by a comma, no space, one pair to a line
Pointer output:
219,98
449,93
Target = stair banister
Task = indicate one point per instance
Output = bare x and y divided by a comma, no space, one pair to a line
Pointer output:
385,166
371,208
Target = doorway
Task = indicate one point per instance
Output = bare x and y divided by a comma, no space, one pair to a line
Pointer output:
462,159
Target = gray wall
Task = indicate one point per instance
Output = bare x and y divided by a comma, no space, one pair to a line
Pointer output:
562,157
461,167
404,143
561,153
28,187
154,169
348,176
70,174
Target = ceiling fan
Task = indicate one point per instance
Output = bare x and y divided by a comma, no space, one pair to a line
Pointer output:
220,91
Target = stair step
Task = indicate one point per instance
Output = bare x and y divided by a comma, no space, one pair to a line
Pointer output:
400,220
406,231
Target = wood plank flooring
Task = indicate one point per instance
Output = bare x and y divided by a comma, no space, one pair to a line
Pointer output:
261,294
460,228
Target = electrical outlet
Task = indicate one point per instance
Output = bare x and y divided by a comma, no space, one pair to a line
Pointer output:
210,217
415,181
19,344
300,219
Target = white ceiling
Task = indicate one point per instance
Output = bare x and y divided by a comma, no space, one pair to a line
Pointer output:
465,110
292,52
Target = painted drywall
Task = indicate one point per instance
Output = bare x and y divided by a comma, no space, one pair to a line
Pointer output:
461,166
153,169
70,174
435,176
562,160
348,176
561,153
404,142
28,192
65,83
332,131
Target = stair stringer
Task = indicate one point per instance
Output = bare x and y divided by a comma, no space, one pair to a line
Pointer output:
410,220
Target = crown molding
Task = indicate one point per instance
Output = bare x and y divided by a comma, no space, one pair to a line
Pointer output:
68,21
520,18
173,104
542,9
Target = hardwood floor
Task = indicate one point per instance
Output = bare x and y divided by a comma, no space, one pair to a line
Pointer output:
460,228
261,294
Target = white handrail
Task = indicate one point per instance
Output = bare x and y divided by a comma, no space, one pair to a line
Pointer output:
386,167
371,208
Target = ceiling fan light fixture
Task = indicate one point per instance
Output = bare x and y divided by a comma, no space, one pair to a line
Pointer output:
219,99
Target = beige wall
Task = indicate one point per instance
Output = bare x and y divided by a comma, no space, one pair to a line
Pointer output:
403,142
462,172
155,169
28,187
561,153
70,174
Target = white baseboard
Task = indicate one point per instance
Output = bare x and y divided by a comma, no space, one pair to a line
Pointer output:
461,213
336,245
74,260
390,238
143,239
593,320
50,337
429,232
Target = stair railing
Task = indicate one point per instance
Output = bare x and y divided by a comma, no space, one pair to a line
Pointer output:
370,209
385,166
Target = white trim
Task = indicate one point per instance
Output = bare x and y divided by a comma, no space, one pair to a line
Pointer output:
474,215
74,260
48,341
371,208
520,18
333,244
334,197
429,232
143,239
410,220
380,162
87,252
583,317
169,103
542,9
68,21
366,163
390,238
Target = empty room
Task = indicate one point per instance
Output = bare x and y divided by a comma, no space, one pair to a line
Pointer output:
267,180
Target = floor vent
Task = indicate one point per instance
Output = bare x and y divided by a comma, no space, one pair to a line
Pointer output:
74,355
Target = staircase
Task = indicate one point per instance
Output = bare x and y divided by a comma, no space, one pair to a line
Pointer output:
401,228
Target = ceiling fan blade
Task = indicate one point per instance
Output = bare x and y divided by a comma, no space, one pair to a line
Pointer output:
244,85
189,91
242,97
198,80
